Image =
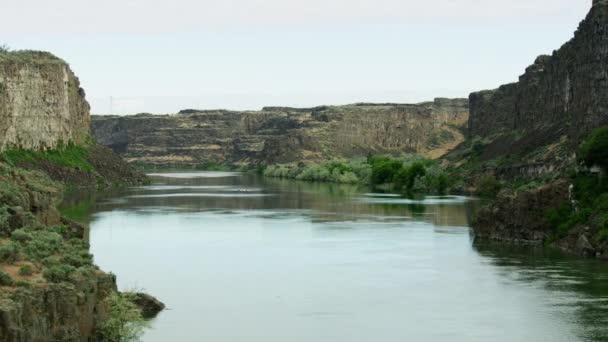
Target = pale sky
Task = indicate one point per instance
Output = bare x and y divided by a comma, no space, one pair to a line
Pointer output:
161,56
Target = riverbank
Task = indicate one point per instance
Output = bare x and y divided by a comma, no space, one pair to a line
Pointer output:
45,264
408,174
568,212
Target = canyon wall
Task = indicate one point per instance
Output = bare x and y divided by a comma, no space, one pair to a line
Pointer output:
531,130
281,134
41,107
562,95
41,102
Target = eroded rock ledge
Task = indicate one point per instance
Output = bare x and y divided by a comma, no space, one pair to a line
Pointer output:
282,134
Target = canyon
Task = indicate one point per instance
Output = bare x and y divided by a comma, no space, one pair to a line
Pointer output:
282,134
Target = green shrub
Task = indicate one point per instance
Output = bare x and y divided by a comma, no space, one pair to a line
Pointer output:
594,150
6,279
407,174
26,270
477,148
43,244
59,273
21,235
489,187
125,321
9,252
315,173
4,219
384,170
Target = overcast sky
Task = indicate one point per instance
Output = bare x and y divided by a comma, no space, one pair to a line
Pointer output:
164,55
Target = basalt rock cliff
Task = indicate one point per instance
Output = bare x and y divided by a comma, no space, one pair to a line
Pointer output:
41,102
50,290
280,134
531,130
564,95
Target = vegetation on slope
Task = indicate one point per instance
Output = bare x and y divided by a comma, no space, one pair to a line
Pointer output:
589,207
87,165
69,155
34,255
27,56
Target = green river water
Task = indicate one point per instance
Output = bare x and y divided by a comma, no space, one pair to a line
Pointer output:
237,257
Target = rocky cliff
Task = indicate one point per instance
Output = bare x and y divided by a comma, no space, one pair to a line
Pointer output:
41,102
531,131
50,290
32,307
561,95
279,134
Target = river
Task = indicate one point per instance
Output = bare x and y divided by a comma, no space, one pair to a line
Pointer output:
238,257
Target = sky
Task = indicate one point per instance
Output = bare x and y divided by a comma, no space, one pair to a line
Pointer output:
160,56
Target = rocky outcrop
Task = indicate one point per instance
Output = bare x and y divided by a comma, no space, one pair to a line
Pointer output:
565,94
41,102
149,306
520,217
45,126
523,218
280,134
56,312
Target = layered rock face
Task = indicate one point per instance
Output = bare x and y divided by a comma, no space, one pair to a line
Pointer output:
521,217
57,312
41,107
565,94
278,134
41,102
66,311
537,124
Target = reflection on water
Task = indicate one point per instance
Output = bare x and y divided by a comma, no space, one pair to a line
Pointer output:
578,288
240,258
190,175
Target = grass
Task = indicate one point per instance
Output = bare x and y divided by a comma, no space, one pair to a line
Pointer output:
69,155
28,56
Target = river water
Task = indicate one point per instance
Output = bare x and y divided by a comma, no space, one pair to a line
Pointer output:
242,258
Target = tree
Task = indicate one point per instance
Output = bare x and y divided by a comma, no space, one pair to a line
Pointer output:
125,322
594,150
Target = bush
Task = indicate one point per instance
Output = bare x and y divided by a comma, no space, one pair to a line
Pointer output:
9,252
384,170
43,244
594,150
125,321
59,273
477,148
489,187
314,173
4,219
26,270
408,174
6,279
21,235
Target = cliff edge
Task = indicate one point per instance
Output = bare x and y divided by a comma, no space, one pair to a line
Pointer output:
41,102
